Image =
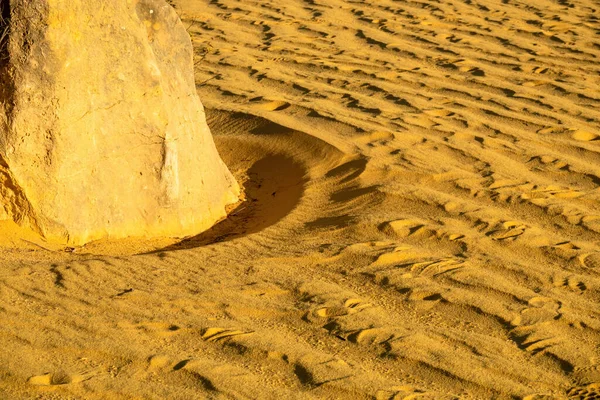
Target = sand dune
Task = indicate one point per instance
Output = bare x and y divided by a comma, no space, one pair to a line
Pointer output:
421,219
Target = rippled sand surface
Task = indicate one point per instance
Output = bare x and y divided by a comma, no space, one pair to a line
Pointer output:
421,219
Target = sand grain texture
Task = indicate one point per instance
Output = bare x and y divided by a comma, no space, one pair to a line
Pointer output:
421,219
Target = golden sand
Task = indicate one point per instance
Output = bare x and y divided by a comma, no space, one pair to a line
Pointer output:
421,219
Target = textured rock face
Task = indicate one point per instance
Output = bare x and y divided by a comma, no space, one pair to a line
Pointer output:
103,134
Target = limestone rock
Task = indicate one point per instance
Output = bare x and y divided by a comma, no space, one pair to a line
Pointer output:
102,133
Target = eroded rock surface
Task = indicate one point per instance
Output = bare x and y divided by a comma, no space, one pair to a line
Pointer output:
103,134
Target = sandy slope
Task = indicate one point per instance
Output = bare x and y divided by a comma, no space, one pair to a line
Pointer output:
421,219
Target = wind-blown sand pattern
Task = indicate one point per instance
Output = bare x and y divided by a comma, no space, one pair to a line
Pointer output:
421,219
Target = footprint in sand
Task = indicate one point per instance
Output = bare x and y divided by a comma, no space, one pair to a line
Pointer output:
439,112
509,230
405,267
413,227
541,312
271,105
591,222
589,392
161,329
376,138
161,363
539,70
409,392
564,249
368,336
218,334
548,130
402,227
350,306
313,371
411,268
58,378
158,362
547,163
570,283
590,260
584,136
383,337
541,309
424,295
539,194
434,268
529,340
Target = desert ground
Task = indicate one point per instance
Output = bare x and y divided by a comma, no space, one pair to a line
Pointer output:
421,219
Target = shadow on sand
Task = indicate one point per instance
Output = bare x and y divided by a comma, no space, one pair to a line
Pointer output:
274,188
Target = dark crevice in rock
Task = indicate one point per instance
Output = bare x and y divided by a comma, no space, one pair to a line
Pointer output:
6,82
4,29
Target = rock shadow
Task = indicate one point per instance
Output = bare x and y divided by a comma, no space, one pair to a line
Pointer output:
275,186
